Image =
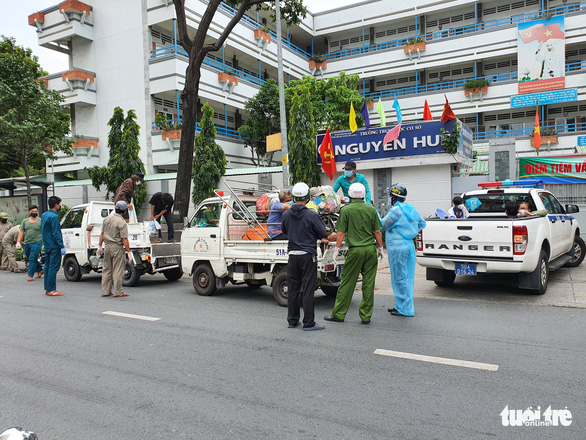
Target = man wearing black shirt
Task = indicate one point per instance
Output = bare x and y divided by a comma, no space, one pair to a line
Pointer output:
161,204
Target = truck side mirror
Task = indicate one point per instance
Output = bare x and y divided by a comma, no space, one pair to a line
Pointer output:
572,209
185,222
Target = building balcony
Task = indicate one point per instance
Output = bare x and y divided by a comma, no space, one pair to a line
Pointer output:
77,86
59,24
86,146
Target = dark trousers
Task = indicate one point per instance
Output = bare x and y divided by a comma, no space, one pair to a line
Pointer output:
169,219
301,279
52,263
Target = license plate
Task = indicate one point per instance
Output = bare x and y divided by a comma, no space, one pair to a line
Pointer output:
339,271
465,269
171,260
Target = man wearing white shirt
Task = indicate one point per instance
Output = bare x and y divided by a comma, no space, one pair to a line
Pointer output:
459,209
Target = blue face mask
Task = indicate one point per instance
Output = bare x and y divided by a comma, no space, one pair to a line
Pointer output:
348,173
317,200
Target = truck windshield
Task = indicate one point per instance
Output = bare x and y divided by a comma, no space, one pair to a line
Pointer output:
494,202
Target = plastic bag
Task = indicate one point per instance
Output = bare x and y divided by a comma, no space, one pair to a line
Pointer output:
153,227
262,205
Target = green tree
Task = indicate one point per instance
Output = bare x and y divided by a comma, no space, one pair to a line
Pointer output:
209,160
263,121
33,126
198,47
124,160
303,165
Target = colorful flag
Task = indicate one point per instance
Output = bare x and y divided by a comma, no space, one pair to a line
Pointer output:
326,152
352,120
381,112
548,32
427,112
537,131
398,110
530,34
392,135
447,113
364,114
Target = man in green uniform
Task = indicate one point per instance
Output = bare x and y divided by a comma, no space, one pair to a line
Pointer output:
359,225
8,244
114,237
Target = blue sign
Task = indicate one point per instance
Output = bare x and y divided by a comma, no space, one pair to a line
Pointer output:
552,97
582,141
415,140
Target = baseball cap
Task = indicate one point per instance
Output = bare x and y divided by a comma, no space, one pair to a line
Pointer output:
140,176
3,215
121,205
350,165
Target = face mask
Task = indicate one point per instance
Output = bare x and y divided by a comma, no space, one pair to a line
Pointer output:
523,213
317,200
460,207
348,173
34,214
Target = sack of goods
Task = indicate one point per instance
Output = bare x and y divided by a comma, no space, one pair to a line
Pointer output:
330,201
264,202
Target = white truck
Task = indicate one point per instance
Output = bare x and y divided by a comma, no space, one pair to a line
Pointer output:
226,241
491,242
81,228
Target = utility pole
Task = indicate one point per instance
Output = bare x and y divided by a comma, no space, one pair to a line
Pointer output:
284,146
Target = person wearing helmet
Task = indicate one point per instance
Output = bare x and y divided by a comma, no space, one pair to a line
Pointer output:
303,228
349,177
402,224
359,226
5,226
161,206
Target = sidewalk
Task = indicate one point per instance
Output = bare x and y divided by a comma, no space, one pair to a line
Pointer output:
567,288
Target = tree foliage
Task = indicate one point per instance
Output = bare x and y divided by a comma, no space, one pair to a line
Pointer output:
303,165
33,126
263,121
124,160
209,160
198,46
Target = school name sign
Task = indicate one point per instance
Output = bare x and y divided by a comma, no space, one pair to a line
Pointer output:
422,138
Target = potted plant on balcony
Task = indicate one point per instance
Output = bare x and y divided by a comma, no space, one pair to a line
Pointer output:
548,136
476,86
369,103
228,76
318,61
262,33
414,44
169,130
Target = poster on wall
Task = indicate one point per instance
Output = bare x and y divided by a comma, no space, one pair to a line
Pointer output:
16,207
541,49
554,169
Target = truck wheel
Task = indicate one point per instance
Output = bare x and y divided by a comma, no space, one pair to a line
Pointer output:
543,272
204,280
280,288
131,275
579,252
255,284
71,269
449,277
330,291
173,274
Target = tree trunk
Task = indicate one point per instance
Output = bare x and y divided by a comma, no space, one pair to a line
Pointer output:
189,98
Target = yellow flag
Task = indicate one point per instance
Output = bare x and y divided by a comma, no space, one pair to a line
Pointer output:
353,125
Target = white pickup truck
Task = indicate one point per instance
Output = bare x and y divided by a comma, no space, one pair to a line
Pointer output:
81,228
490,242
225,241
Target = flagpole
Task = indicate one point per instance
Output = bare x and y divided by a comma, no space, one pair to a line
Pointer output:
284,145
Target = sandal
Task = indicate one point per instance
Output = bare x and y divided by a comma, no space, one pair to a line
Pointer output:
122,294
54,293
40,274
30,279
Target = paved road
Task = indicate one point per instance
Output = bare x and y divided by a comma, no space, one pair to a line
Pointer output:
226,367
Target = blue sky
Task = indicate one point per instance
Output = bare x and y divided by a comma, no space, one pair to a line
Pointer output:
14,23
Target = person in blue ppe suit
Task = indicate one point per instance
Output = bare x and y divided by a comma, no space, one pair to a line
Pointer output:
402,224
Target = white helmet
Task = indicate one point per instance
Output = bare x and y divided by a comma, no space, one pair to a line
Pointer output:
357,191
18,434
300,191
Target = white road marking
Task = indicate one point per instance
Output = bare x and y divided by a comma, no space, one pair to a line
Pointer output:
437,360
129,315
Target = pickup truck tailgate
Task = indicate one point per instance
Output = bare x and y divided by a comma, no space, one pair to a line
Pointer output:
468,238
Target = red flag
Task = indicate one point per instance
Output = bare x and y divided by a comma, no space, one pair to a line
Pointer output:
427,112
326,152
547,32
392,135
537,131
447,113
530,34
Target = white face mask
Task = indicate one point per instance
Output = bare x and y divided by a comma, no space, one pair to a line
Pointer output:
460,207
523,213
